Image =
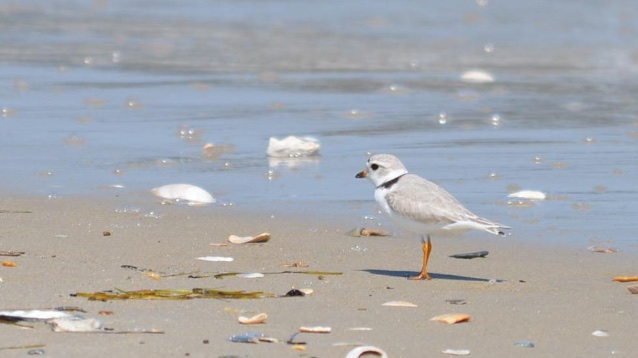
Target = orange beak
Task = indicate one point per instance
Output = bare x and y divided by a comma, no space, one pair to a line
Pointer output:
362,174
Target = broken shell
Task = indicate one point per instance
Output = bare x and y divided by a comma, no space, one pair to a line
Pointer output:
75,324
367,351
528,194
452,318
633,289
315,329
600,333
292,147
456,301
246,337
361,231
256,319
215,259
7,263
399,304
456,352
470,255
251,275
477,76
524,344
153,275
604,250
264,237
625,278
194,195
33,315
307,291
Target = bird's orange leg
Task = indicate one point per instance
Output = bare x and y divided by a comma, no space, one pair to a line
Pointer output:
427,249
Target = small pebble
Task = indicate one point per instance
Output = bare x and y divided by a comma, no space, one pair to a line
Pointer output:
36,352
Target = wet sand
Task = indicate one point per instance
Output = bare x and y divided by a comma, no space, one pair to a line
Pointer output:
554,296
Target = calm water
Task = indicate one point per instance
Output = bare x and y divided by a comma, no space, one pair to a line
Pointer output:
96,93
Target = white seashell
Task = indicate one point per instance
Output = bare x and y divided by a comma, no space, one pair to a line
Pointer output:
75,324
367,350
359,329
256,319
600,333
477,76
529,194
307,291
399,304
251,275
216,259
293,147
315,329
456,352
29,315
264,237
194,195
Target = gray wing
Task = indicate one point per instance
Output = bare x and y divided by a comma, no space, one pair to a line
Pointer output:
426,202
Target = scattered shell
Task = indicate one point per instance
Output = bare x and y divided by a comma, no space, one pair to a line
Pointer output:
106,313
251,275
293,147
192,194
360,329
625,278
470,255
600,333
247,337
399,304
256,319
216,259
75,324
524,344
367,350
298,347
605,250
452,318
633,289
263,237
456,352
315,329
477,76
33,315
361,231
456,301
153,275
529,194
7,263
307,291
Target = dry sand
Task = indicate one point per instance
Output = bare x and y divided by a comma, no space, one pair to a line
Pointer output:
554,297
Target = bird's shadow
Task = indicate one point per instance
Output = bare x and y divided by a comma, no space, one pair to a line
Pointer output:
438,276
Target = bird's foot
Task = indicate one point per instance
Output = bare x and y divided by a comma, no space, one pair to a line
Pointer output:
421,276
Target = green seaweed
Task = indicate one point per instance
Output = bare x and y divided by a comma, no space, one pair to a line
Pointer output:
167,294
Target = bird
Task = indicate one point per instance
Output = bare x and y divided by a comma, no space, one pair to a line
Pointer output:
420,206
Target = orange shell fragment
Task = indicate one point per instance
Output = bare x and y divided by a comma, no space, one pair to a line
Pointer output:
9,264
452,318
625,278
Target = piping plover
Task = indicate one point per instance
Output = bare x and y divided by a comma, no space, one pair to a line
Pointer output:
419,205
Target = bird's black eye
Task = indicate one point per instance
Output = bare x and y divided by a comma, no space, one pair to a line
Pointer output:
374,166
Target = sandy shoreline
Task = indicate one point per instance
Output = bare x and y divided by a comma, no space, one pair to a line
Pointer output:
554,296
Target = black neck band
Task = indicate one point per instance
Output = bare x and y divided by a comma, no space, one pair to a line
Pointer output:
390,183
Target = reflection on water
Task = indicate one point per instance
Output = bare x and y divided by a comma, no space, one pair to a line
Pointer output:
141,93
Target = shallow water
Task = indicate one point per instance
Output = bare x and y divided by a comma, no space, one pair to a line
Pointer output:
96,93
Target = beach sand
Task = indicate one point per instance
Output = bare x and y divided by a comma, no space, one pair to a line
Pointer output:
554,296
